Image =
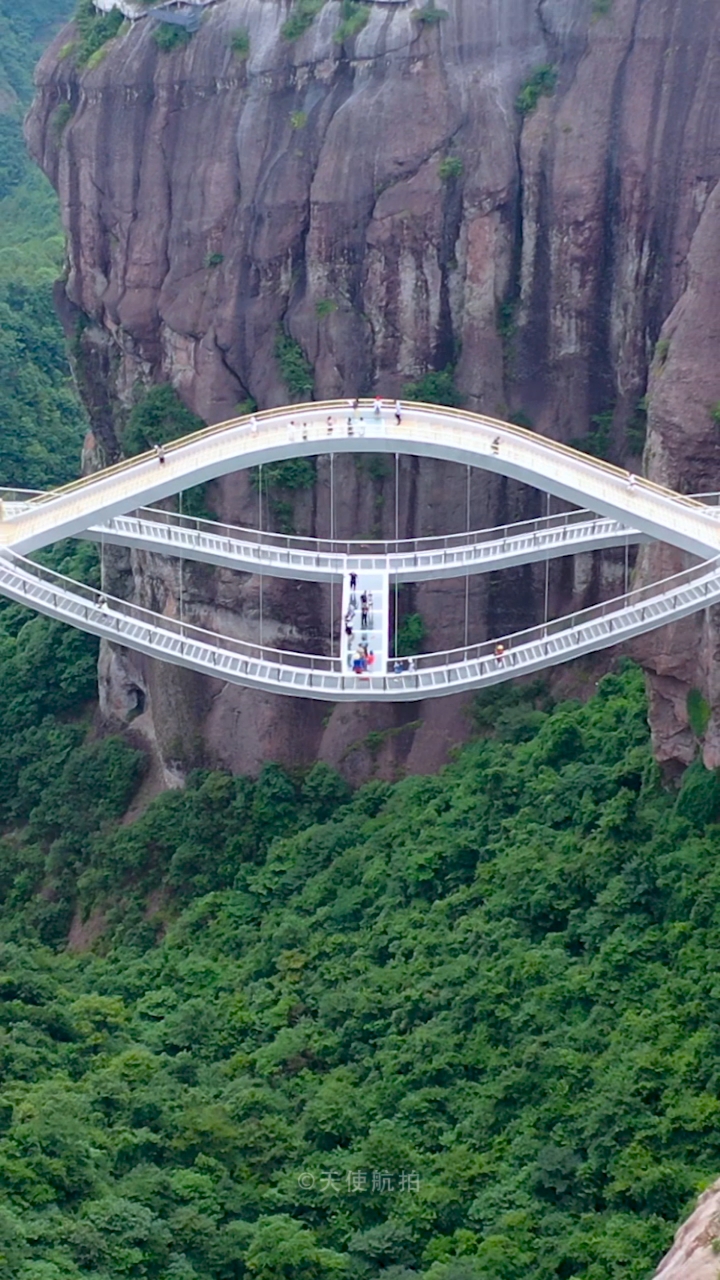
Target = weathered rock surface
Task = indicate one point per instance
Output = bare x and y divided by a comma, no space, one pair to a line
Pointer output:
546,265
684,451
692,1256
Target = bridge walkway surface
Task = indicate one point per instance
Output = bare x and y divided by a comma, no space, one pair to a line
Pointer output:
307,675
308,430
478,551
366,612
323,559
637,506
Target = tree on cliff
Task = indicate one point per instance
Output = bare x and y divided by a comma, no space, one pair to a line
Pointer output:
158,416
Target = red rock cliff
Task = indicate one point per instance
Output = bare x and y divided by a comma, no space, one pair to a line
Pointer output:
560,260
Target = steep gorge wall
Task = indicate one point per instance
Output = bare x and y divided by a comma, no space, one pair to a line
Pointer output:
544,269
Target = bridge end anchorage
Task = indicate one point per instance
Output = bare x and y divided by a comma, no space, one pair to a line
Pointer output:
361,661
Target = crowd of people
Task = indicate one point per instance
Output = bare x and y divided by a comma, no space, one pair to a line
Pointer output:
363,657
360,655
352,422
355,424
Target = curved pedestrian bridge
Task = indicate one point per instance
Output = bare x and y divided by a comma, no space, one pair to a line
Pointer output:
406,560
112,506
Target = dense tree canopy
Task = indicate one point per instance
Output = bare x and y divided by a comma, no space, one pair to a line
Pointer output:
463,1027
41,421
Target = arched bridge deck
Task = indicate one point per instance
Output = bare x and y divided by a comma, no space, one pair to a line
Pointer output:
450,434
628,508
309,675
323,560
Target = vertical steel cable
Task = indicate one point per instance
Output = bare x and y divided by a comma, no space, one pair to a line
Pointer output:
260,525
547,567
397,538
181,565
467,576
332,538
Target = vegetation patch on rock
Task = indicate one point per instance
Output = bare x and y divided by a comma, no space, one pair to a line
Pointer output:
540,84
295,369
434,387
240,43
94,30
302,16
158,416
168,36
355,17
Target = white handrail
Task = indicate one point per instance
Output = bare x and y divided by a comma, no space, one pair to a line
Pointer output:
306,430
285,556
316,676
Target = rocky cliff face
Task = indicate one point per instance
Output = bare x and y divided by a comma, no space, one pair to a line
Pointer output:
381,199
694,1254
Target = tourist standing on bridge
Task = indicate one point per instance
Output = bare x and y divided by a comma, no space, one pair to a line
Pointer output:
499,654
398,412
377,406
363,609
353,581
160,453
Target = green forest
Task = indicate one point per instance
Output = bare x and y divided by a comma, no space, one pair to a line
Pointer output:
41,421
460,1027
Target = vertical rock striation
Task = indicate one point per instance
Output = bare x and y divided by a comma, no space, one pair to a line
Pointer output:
383,201
693,1255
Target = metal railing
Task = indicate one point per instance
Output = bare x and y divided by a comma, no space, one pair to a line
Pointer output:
368,547
286,555
659,594
443,671
110,612
295,413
